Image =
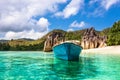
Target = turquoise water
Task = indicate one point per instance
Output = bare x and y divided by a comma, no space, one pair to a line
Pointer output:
41,66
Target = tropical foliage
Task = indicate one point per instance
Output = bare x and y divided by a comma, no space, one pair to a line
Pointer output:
114,34
35,47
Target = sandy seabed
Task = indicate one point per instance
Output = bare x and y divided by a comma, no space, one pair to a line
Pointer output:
105,50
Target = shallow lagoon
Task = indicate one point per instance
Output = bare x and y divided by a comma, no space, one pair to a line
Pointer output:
43,66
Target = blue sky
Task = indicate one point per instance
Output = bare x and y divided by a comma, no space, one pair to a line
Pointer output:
35,18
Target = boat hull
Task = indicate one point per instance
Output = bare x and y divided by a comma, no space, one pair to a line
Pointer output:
67,51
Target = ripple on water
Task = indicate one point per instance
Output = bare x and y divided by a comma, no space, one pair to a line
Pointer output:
41,66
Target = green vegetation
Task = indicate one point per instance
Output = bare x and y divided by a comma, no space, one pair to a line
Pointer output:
74,35
18,47
112,33
4,46
105,32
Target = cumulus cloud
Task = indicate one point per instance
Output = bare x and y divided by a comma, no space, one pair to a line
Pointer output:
71,9
17,15
24,34
40,28
42,24
78,25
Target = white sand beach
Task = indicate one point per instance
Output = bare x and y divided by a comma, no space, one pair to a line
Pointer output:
105,50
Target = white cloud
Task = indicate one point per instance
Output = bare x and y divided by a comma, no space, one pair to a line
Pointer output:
92,2
24,34
42,24
70,29
71,9
108,3
78,25
40,28
17,15
99,7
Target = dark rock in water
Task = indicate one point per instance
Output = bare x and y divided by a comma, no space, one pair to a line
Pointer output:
53,39
91,39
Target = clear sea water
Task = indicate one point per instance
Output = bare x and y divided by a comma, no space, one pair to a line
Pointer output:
43,66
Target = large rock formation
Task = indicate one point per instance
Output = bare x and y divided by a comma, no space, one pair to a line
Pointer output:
91,39
53,39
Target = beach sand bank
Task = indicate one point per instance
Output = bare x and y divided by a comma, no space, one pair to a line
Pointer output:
105,50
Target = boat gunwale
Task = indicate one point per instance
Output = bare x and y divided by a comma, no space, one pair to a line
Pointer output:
67,42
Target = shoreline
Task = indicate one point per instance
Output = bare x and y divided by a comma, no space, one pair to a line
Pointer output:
104,50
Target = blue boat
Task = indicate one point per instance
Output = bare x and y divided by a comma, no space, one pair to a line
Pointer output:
67,51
